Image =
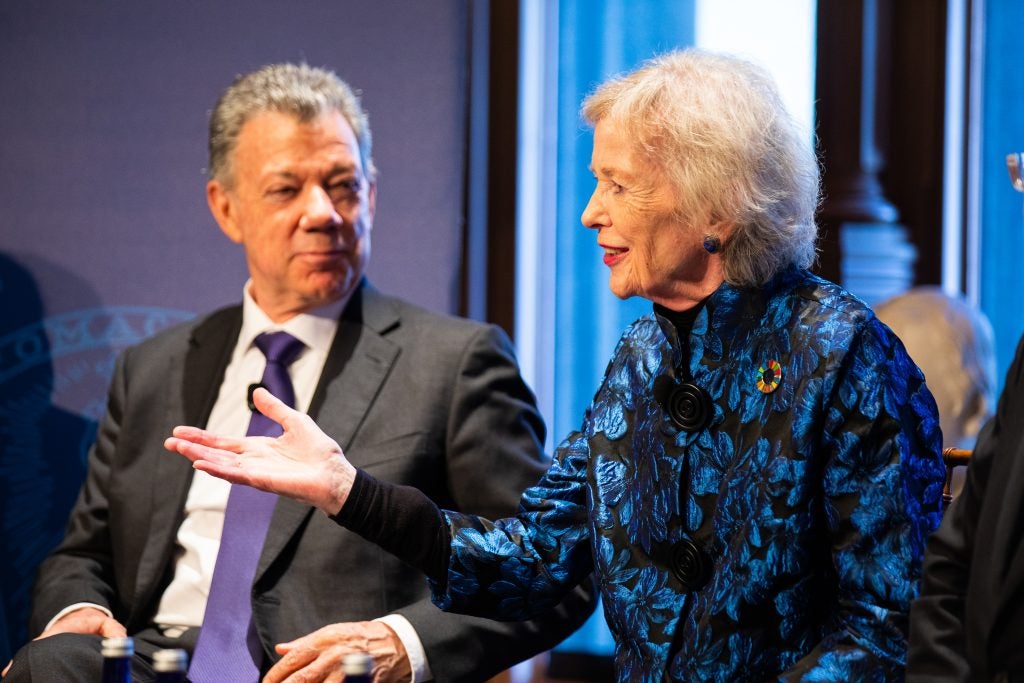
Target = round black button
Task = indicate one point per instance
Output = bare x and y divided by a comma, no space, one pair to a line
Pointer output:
689,406
690,564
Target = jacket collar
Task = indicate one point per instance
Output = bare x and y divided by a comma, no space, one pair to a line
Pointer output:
733,307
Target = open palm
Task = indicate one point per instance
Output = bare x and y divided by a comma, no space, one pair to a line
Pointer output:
303,463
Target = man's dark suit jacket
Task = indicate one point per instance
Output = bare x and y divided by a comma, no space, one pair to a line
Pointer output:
968,624
411,396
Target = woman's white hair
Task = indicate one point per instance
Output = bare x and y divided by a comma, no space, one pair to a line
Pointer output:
716,126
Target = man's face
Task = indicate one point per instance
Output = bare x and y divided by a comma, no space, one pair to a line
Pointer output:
300,204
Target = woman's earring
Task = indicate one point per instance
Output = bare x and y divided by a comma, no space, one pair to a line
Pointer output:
712,244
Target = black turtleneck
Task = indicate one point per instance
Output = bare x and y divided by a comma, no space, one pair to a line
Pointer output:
683,322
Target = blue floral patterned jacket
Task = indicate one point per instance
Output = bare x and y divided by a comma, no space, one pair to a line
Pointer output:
809,503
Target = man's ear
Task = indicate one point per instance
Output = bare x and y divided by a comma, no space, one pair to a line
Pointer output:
223,208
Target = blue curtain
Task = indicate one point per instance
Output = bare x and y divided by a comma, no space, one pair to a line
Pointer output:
1002,208
597,39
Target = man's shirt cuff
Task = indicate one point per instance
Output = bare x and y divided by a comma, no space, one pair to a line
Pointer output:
413,647
80,605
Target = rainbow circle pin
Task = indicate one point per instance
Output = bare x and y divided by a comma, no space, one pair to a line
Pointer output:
768,378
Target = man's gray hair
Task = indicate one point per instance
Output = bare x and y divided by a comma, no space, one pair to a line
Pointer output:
716,126
298,89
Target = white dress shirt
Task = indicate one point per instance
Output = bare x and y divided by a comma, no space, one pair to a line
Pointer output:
184,601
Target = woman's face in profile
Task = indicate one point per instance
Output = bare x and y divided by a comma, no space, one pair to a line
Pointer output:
649,251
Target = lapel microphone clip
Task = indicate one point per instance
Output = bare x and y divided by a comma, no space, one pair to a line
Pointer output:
248,395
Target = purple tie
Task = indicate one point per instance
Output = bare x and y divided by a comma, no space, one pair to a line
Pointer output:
228,650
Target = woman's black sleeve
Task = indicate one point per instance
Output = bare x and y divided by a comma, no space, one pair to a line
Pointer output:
400,519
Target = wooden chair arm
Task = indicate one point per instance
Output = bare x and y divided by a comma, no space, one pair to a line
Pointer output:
953,458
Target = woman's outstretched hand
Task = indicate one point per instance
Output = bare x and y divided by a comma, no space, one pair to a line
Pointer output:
303,463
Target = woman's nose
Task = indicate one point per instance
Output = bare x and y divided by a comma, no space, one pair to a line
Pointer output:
594,215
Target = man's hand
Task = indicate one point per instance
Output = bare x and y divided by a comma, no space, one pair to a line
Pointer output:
317,657
303,463
88,620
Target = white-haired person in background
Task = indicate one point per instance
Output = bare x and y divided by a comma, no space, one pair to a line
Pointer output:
953,344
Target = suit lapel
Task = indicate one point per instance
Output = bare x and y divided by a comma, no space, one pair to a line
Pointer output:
209,352
200,371
360,360
357,364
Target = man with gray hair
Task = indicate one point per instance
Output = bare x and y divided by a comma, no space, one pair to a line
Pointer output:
255,587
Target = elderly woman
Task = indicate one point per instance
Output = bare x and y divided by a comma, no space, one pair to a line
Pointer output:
755,478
